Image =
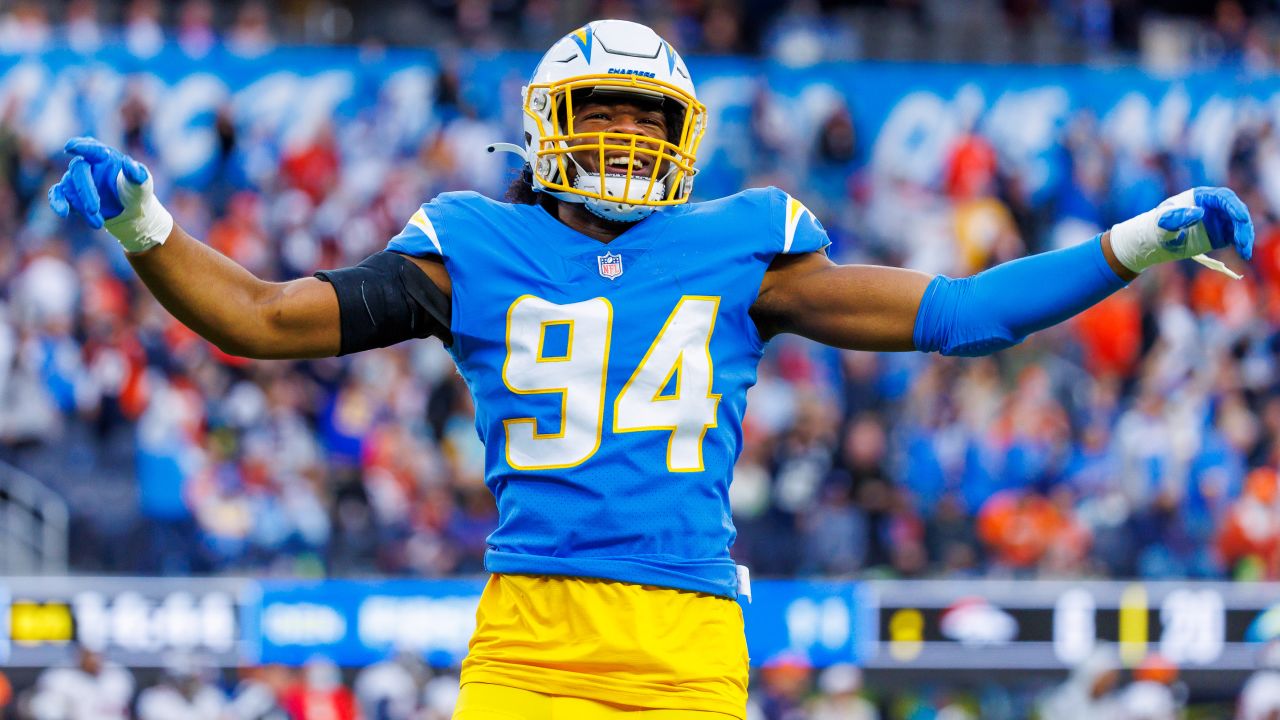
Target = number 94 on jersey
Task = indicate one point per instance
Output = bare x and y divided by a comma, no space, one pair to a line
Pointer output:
564,350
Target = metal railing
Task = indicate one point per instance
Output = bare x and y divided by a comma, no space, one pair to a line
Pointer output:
33,525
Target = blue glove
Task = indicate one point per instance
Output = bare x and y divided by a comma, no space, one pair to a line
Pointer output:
1187,225
112,190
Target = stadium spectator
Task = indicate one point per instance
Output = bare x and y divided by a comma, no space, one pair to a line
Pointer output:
1147,701
82,31
320,694
786,681
143,33
1154,694
1249,539
1022,528
841,699
93,689
6,692
251,35
257,695
24,28
392,689
183,693
1089,691
196,35
1260,697
440,695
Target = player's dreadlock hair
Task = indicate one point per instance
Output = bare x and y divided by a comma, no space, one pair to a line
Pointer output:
521,192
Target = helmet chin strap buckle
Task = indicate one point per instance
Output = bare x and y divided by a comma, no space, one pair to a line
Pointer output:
505,147
615,207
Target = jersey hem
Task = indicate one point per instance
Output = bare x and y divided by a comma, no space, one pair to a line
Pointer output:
627,570
539,682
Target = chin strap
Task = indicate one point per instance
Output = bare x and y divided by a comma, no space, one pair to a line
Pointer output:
505,147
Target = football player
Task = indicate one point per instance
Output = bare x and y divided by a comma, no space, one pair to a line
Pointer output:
608,329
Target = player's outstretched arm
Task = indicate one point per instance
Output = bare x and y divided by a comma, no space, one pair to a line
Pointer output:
203,289
230,307
877,308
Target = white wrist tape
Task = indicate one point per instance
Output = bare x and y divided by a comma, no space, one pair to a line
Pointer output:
144,223
1140,242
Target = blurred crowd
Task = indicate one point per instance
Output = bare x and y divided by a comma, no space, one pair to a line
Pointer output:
1099,688
796,31
404,687
401,687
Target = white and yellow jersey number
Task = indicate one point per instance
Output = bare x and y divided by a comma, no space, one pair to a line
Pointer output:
670,390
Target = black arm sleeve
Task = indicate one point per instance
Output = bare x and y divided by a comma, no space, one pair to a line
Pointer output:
387,299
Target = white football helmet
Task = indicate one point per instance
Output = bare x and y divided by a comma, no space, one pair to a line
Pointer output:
615,57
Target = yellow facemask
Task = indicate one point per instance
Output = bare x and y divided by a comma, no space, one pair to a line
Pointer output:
670,172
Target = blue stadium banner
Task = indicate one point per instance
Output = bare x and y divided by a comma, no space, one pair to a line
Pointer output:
360,622
906,115
821,623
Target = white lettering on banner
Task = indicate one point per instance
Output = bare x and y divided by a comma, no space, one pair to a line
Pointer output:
810,623
1074,631
1172,115
975,622
1129,124
90,610
264,103
175,621
721,95
315,103
835,623
218,622
290,106
922,127
1193,626
23,83
53,115
178,620
913,139
418,623
285,106
409,96
302,624
1213,133
128,623
1024,126
185,146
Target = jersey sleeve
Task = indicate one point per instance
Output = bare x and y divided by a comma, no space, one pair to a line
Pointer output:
797,229
422,234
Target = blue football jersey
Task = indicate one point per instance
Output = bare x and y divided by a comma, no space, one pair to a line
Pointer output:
610,380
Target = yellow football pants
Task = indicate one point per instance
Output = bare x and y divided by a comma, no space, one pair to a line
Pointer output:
619,644
482,701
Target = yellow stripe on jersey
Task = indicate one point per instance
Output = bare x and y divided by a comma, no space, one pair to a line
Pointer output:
423,223
631,645
795,211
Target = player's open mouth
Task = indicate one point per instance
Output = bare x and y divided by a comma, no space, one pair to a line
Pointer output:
621,164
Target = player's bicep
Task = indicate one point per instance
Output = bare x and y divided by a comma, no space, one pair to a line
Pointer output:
858,307
301,320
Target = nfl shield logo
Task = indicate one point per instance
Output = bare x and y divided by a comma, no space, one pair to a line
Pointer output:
610,265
